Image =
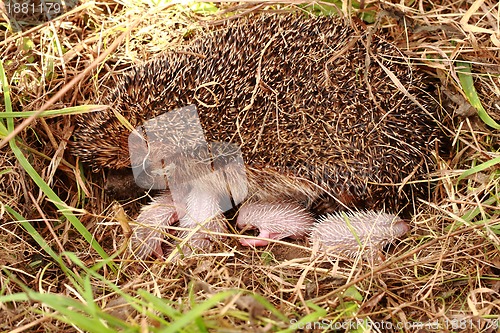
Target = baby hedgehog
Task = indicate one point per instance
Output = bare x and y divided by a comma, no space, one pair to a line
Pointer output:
350,234
355,232
316,124
274,221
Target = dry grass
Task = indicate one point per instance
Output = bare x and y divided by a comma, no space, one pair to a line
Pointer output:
446,272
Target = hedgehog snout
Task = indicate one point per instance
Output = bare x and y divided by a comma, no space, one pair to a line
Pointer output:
275,220
244,220
400,227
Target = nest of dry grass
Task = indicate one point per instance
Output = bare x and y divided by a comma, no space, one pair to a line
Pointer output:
444,274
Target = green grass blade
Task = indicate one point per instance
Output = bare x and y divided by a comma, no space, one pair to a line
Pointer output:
465,77
36,236
73,110
197,311
479,168
51,195
83,316
268,306
473,213
19,297
312,317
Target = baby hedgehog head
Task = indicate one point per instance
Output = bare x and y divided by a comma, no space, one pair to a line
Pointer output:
274,221
151,225
357,232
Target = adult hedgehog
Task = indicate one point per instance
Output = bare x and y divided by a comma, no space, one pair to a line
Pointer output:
309,101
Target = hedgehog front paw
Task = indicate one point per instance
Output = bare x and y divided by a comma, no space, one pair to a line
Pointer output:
274,220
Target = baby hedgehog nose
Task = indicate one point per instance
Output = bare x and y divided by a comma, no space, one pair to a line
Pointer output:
401,227
274,220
